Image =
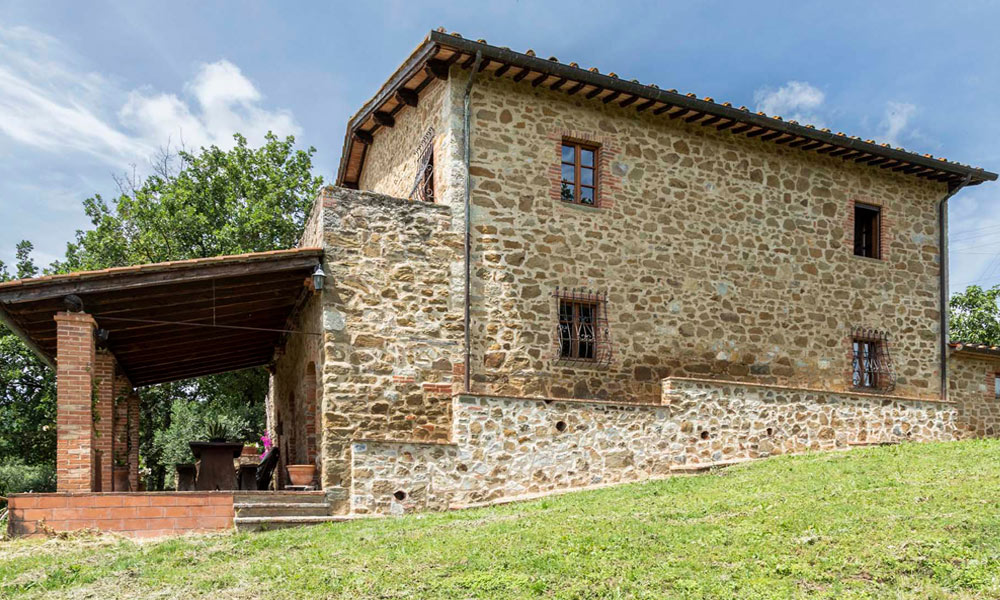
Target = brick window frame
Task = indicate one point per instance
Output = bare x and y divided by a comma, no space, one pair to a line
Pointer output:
885,226
609,184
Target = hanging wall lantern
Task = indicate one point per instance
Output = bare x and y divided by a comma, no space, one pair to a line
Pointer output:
318,277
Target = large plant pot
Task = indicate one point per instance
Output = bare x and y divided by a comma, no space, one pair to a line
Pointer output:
301,474
121,479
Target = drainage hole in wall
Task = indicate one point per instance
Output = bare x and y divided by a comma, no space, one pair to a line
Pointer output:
770,432
704,435
561,426
399,495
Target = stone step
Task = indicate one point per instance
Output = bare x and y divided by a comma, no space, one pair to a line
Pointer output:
282,497
281,509
271,523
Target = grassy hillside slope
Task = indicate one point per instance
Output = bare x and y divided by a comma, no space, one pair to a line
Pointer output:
912,521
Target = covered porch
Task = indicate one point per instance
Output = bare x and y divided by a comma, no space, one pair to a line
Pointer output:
109,332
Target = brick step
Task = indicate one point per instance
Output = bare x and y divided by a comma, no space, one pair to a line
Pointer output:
271,523
281,509
282,497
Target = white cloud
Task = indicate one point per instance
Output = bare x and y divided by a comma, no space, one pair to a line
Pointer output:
50,102
796,100
896,120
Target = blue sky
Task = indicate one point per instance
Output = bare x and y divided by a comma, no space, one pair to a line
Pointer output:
88,89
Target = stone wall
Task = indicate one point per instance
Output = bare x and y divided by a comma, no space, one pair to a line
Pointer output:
722,256
392,323
391,162
971,385
512,447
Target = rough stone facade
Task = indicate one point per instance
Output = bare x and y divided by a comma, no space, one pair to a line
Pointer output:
721,256
391,323
507,448
972,382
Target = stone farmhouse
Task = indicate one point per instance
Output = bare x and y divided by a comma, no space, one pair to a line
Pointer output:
539,277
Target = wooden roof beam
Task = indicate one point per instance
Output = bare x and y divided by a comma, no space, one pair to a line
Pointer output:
645,105
407,97
502,70
384,119
610,97
438,69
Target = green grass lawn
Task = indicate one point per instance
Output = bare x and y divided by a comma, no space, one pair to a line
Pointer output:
912,521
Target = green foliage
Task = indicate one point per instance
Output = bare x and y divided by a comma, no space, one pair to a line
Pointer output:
974,315
27,389
216,202
201,204
17,477
916,521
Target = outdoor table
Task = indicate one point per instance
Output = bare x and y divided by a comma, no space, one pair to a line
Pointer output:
216,471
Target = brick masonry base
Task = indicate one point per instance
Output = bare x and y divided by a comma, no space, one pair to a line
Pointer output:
151,514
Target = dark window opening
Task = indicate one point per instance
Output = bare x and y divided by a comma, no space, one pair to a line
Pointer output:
867,235
423,187
872,366
579,174
583,327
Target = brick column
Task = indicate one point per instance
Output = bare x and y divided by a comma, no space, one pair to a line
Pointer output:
74,384
119,437
133,441
104,384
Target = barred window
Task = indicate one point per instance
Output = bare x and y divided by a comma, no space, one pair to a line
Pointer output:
872,366
423,187
583,327
579,173
996,386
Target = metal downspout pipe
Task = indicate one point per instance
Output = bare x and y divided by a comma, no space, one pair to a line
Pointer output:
943,282
466,133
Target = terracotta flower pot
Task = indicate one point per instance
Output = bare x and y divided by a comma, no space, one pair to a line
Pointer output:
301,474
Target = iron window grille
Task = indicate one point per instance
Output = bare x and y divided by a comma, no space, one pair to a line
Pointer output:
996,386
867,231
579,173
582,332
871,362
423,186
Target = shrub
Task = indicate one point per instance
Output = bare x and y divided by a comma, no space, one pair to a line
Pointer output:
17,477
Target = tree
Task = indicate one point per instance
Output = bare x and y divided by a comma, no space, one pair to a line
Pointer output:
195,205
975,315
27,389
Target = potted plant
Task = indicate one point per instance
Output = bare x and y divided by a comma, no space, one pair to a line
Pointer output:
301,474
217,432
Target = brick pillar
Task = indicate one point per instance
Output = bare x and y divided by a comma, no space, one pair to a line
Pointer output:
133,441
119,436
104,384
74,384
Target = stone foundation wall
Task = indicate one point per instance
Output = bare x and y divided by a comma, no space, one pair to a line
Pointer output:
513,447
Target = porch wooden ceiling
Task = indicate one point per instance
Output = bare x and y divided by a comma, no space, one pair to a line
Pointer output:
172,321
